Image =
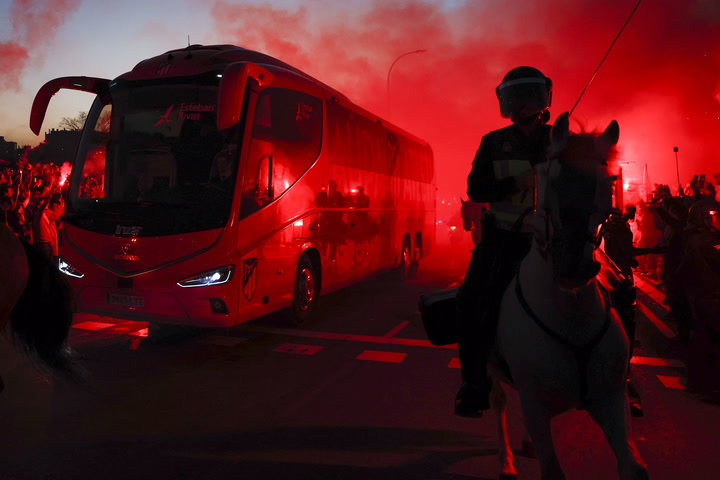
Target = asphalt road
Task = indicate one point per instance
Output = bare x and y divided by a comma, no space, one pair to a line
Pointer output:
358,393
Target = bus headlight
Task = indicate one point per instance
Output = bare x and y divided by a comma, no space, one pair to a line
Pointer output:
216,276
68,269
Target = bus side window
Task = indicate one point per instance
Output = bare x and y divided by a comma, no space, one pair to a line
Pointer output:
255,191
286,140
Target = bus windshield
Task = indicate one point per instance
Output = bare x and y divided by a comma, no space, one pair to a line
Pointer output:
152,161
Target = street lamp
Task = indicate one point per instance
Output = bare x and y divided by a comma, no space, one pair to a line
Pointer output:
388,76
677,169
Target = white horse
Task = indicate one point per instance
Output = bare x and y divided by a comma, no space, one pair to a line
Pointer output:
563,344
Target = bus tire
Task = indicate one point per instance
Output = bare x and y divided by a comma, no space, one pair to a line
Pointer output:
406,270
306,291
416,256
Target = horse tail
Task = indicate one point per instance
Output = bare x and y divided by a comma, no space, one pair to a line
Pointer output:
42,317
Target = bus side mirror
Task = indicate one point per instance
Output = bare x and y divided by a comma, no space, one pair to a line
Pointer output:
232,90
43,96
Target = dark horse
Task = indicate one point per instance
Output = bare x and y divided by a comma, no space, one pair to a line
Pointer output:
36,300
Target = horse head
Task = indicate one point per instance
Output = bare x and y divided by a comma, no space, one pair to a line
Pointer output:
574,198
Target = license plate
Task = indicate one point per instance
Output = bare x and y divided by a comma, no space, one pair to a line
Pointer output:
129,301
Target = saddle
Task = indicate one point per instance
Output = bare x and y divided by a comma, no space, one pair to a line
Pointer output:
438,310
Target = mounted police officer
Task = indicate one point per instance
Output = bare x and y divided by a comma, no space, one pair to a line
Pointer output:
502,175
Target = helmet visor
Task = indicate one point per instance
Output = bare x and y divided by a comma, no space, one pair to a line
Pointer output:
523,97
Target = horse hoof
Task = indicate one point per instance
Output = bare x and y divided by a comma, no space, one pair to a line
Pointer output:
528,449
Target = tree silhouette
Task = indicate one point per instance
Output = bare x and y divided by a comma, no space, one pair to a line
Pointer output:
73,123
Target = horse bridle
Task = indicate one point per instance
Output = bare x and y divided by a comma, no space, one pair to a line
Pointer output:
580,352
544,240
545,245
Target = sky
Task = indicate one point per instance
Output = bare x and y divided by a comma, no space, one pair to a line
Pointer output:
660,80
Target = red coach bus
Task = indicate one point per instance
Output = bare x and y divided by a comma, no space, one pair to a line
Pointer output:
215,184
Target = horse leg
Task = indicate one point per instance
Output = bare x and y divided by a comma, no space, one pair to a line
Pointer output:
498,401
537,423
613,417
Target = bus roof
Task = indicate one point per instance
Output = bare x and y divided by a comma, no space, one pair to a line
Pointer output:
198,59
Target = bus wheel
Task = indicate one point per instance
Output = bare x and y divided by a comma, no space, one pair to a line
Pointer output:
306,292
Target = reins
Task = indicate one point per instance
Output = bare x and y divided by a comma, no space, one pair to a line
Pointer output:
581,352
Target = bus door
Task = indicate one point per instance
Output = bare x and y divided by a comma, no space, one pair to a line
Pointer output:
284,141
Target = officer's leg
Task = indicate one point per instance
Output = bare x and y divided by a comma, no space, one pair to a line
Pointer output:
624,300
491,269
472,343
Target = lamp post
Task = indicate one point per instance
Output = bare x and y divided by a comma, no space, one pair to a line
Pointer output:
677,169
388,76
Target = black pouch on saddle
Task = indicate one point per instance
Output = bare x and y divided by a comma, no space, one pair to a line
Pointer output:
438,313
438,310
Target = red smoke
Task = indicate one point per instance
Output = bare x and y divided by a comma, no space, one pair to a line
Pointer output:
34,25
660,81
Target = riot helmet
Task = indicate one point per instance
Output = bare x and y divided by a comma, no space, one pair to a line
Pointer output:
704,215
524,93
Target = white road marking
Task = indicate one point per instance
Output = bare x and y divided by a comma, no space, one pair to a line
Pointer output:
93,325
395,330
347,337
655,361
672,382
299,349
650,290
377,356
662,326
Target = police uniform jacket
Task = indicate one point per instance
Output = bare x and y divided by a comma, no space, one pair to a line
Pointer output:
502,155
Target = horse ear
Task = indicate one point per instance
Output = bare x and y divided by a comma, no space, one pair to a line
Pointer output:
561,128
611,133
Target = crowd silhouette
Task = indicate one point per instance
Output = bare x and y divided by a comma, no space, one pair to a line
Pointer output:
31,196
676,244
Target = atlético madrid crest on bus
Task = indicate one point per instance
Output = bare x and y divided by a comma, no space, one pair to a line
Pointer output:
249,277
